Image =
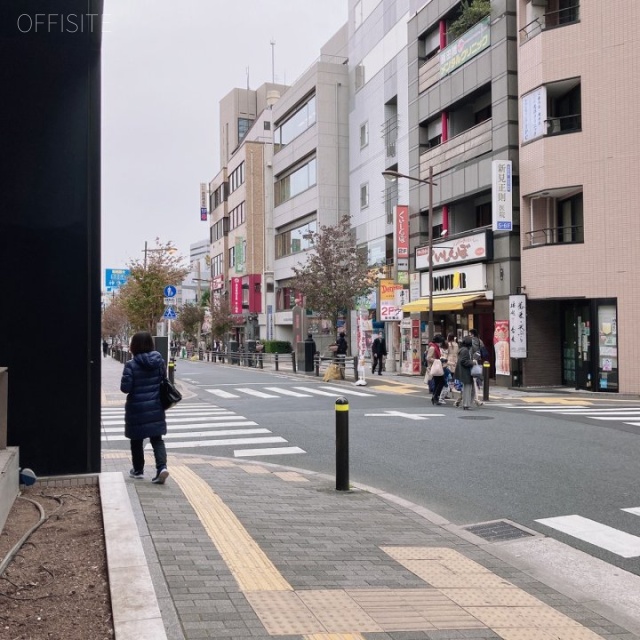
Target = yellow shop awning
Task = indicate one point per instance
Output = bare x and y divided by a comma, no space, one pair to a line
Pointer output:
441,303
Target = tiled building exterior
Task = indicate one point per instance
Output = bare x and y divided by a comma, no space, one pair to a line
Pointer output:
579,134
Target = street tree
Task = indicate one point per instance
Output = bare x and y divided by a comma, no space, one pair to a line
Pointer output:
335,274
143,294
114,320
191,316
221,317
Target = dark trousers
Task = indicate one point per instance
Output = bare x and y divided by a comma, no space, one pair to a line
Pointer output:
438,382
377,362
159,451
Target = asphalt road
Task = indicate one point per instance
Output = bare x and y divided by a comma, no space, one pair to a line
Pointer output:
506,460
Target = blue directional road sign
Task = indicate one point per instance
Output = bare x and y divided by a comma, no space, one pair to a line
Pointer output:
170,314
170,291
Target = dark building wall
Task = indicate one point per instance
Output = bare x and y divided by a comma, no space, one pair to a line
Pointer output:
50,232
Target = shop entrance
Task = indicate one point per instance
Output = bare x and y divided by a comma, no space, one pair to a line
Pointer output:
590,345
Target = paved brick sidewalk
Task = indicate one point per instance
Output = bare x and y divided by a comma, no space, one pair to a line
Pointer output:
236,549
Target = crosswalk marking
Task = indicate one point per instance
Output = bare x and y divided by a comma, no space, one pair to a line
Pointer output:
255,393
273,451
288,392
221,394
619,542
634,510
200,425
203,434
347,392
221,443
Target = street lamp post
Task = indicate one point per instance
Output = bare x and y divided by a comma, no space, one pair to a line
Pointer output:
392,176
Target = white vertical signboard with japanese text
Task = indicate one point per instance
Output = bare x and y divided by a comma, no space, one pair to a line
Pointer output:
518,326
502,195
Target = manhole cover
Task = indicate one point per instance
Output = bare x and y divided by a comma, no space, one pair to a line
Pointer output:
475,417
497,531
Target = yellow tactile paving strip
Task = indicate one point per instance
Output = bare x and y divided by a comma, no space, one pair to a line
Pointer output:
460,593
249,565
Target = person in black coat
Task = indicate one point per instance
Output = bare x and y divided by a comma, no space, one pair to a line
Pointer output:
378,352
143,413
463,373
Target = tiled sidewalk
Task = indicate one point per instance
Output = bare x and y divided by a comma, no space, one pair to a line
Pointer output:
237,549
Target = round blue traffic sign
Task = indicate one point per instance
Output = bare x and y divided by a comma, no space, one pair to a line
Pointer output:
170,291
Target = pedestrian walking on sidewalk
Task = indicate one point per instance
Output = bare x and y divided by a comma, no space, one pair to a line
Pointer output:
144,416
378,352
463,373
105,348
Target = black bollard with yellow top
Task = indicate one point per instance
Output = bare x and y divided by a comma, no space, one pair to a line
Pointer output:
342,444
486,368
171,368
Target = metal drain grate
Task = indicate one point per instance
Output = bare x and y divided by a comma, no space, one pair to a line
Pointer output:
497,531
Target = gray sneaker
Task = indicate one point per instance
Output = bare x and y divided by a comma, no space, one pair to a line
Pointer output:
161,476
138,475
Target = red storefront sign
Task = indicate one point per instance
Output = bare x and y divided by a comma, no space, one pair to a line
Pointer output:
236,295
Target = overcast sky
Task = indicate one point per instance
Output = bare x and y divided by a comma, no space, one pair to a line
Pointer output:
165,67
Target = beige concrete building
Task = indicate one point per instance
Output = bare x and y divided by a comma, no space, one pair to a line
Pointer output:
578,69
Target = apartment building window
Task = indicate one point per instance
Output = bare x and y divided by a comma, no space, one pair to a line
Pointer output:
217,265
244,124
217,197
232,257
564,107
237,216
390,130
364,195
236,178
219,229
303,117
555,13
390,199
570,220
483,214
567,217
430,134
295,182
364,134
295,239
429,45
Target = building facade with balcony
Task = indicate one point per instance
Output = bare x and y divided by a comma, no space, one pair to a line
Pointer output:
463,131
240,205
579,140
310,177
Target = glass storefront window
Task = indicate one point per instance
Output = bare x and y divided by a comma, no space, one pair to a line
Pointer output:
607,348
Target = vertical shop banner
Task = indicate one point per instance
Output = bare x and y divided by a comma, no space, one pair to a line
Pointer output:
501,347
204,204
518,326
402,232
502,195
239,253
236,296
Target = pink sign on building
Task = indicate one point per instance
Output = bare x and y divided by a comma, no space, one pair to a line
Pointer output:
236,295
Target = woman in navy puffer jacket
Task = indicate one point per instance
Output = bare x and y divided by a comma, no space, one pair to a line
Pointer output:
143,413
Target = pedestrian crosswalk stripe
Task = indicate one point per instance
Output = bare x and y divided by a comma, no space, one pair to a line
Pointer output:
171,420
288,392
198,434
222,394
255,393
601,535
273,451
634,510
589,412
222,443
347,392
198,425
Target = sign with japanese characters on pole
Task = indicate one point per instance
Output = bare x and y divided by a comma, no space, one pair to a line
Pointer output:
518,326
502,195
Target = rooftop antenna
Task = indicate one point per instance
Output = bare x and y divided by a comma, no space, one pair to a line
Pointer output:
273,61
247,78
